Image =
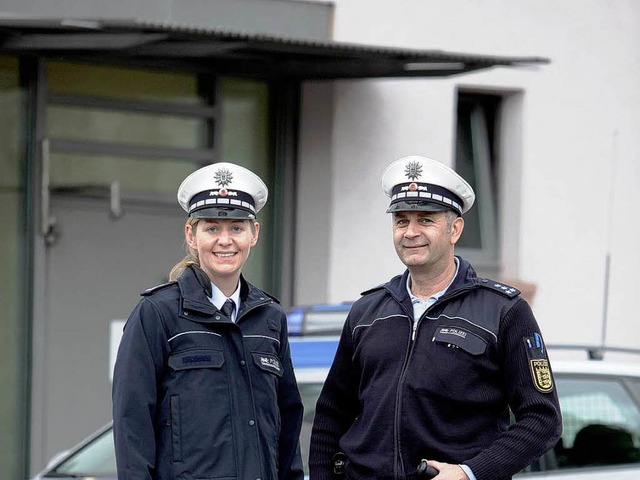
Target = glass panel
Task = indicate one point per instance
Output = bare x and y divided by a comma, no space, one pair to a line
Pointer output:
68,78
465,167
245,141
13,316
135,175
326,320
601,424
476,162
309,393
96,459
126,127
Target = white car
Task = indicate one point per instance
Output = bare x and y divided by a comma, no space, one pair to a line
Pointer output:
599,397
600,404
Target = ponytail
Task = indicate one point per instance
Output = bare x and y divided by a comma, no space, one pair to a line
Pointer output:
192,254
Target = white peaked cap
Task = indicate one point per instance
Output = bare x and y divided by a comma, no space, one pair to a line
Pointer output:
222,190
421,183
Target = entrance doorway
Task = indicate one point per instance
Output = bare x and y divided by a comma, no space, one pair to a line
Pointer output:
119,142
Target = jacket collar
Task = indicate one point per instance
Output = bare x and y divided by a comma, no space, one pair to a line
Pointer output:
466,278
195,290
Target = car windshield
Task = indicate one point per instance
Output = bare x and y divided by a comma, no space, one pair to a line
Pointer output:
95,459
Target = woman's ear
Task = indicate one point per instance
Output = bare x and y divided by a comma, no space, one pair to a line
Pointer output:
190,235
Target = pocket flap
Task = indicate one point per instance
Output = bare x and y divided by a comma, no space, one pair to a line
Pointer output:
268,362
196,359
461,338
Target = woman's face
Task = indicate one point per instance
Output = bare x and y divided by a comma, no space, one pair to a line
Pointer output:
223,245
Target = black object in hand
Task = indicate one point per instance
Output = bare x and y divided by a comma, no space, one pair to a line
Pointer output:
425,471
339,460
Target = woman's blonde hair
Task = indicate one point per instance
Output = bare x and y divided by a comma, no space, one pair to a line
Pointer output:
192,254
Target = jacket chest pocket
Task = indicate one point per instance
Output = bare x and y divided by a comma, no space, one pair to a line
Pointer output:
193,359
460,338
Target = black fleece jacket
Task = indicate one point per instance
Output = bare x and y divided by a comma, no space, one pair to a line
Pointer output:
441,388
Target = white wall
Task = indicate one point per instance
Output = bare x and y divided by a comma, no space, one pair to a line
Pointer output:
573,151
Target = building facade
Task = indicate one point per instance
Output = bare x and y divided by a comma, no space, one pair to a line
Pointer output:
108,105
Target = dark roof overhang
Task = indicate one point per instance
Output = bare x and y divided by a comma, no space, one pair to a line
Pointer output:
237,53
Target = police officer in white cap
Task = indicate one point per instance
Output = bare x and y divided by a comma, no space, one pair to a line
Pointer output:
430,365
203,382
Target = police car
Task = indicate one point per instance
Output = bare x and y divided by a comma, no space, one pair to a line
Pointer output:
599,392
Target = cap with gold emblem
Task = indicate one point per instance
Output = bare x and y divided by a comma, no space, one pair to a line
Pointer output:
222,190
421,183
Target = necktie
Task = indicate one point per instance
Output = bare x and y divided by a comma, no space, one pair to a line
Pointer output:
227,308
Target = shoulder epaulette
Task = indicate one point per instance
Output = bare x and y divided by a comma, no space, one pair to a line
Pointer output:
506,290
151,290
374,289
271,297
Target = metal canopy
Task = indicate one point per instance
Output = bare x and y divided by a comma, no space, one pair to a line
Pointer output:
235,53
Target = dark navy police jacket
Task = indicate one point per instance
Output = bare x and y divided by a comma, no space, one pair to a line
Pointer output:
196,396
396,394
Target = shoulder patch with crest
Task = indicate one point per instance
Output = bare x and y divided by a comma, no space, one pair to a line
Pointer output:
538,363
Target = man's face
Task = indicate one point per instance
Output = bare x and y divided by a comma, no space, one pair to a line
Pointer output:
223,246
425,240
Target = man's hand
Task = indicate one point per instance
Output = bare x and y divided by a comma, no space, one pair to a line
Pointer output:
448,471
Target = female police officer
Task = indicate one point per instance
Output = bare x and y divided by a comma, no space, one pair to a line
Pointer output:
203,382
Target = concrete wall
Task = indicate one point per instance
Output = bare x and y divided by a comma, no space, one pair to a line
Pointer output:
571,150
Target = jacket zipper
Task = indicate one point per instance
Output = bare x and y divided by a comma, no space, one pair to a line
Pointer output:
399,467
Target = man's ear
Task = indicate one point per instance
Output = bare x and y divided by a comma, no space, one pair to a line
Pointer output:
456,230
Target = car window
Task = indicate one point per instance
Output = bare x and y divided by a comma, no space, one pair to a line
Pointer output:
322,319
95,459
601,423
309,393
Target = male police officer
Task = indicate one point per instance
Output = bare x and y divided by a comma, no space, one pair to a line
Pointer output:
430,364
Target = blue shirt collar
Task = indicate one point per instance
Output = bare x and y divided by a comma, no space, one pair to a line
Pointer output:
419,305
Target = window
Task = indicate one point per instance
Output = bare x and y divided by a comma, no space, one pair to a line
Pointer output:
309,393
139,132
601,424
97,459
476,160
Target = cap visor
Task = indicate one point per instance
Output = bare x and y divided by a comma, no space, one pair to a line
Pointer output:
223,212
420,206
